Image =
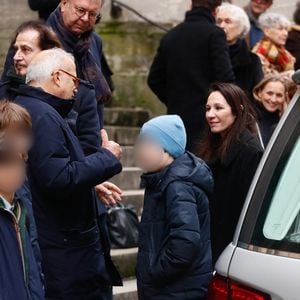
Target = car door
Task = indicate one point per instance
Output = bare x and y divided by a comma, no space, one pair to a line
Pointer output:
266,257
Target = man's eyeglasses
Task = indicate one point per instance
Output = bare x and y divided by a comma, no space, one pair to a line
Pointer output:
75,79
81,12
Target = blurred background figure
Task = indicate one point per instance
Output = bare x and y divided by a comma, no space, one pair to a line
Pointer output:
246,65
271,48
293,41
44,7
185,66
271,96
254,9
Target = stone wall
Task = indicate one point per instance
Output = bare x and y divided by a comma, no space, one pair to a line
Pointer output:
13,12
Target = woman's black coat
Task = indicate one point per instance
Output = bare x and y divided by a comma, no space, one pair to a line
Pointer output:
267,122
233,176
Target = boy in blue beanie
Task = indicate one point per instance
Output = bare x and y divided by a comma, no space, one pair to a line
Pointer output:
174,258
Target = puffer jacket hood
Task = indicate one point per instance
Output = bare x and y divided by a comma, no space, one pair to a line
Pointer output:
192,169
188,168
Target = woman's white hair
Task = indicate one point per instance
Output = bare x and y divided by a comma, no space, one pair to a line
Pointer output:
237,14
270,20
41,68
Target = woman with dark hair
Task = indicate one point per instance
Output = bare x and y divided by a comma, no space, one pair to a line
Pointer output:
232,149
292,43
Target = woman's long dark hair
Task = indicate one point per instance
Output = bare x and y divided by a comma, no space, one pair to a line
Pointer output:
216,145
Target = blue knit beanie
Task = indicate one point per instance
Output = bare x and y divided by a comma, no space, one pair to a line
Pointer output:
169,132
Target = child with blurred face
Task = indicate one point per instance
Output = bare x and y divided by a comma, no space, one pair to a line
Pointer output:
174,250
18,263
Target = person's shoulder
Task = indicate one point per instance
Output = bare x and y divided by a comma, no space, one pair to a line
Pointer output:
32,104
251,144
215,35
37,109
95,37
255,59
4,89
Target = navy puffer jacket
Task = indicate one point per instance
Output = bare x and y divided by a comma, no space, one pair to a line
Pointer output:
174,259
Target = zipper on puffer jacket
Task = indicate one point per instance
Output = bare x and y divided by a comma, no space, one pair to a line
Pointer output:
16,220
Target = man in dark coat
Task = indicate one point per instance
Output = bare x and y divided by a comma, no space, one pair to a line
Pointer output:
73,24
191,57
62,181
246,66
30,38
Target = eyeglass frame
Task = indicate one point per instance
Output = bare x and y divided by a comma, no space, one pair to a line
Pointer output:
76,79
91,15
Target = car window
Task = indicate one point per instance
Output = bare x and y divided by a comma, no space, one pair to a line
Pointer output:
272,220
283,217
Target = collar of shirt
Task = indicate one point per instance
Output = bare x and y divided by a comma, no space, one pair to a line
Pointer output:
7,205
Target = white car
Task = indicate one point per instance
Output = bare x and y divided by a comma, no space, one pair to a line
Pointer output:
263,261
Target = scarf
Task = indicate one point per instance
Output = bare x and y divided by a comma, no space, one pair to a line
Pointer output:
80,47
277,56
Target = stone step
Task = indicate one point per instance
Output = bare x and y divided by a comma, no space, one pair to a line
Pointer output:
125,261
129,179
128,159
125,136
126,292
134,198
120,116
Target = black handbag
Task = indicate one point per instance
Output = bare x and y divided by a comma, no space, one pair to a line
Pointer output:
123,224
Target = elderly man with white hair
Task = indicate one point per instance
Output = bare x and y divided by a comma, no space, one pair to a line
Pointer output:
246,65
271,48
63,180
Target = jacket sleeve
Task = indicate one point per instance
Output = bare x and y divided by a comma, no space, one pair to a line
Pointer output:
157,75
183,241
87,123
54,169
219,57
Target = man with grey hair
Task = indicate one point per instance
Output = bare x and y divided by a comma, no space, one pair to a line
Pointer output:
73,23
63,180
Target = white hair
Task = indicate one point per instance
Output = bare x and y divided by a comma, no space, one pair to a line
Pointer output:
41,69
237,14
270,20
